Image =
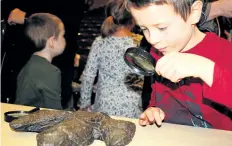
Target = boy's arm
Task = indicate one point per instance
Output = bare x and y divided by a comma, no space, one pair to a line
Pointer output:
220,91
26,93
50,90
33,93
50,98
217,76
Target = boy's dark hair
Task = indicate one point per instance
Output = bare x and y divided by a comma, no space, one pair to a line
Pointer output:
117,15
40,27
182,7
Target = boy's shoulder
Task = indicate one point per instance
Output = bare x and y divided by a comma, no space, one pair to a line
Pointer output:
38,65
218,46
214,48
213,40
38,72
212,45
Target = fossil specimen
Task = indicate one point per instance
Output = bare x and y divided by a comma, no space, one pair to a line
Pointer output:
80,128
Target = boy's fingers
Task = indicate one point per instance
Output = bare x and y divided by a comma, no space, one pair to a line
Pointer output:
157,117
143,122
150,115
143,119
164,63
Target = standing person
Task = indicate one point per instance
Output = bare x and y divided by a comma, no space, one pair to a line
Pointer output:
39,82
106,57
181,51
70,13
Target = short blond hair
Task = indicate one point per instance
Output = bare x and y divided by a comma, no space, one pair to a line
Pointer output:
40,27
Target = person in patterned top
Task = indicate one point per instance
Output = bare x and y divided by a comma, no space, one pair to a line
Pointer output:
113,97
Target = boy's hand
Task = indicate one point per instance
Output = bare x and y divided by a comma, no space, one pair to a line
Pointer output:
176,66
151,115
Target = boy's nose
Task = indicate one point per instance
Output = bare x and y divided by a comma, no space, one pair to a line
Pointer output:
154,38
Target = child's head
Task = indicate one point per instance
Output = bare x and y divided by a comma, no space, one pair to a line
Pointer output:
117,17
168,25
47,33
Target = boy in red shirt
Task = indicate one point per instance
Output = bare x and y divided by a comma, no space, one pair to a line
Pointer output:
182,51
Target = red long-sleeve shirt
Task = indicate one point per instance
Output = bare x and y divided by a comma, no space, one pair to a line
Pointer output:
175,99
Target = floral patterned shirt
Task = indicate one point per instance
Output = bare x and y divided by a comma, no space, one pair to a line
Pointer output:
113,97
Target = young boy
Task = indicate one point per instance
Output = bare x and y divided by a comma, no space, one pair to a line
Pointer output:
181,51
39,82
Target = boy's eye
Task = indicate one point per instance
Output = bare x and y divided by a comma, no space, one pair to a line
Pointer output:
162,28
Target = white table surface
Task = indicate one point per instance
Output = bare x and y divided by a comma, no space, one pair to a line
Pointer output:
167,135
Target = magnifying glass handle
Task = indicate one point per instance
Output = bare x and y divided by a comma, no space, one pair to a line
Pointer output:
34,110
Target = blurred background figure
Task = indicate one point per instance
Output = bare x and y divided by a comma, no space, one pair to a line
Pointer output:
39,82
15,13
106,60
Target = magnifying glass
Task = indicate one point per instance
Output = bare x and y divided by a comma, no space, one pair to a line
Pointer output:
140,61
12,115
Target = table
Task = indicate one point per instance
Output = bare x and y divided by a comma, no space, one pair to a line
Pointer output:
167,135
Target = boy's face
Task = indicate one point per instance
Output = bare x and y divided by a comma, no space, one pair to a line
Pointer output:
60,42
163,28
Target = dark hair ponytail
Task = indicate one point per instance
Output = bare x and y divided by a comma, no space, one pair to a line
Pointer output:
117,15
108,27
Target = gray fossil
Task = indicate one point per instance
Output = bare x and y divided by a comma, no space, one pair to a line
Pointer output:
80,128
39,120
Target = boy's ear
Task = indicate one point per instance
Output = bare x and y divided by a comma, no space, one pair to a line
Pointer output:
196,10
51,42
